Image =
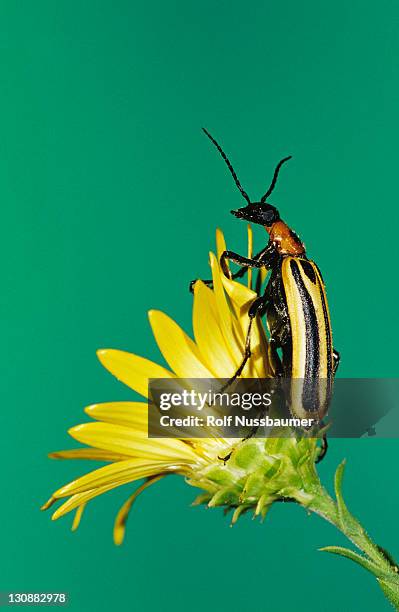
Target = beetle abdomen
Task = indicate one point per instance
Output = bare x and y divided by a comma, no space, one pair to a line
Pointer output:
311,337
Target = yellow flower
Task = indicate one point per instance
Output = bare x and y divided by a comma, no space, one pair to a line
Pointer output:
258,471
119,434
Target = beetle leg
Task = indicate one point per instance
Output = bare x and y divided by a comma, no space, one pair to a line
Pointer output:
239,274
336,360
238,259
257,307
263,259
323,449
209,282
279,330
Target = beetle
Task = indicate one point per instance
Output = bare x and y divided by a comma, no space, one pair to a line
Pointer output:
294,302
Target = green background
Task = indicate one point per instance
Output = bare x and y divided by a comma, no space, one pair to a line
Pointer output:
110,196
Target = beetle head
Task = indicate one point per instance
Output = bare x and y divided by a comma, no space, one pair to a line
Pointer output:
257,212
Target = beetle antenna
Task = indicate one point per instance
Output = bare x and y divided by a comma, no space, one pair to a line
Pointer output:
274,180
230,167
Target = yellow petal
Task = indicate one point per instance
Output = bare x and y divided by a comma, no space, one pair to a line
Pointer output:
78,517
48,503
220,243
82,498
131,369
78,500
260,353
208,335
121,517
231,329
242,298
128,441
263,273
88,453
179,350
135,415
239,294
130,414
115,474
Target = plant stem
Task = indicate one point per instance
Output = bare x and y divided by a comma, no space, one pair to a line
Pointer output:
372,557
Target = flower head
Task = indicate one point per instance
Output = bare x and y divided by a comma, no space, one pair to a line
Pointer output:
258,472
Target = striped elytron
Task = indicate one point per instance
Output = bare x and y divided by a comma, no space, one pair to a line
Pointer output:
294,302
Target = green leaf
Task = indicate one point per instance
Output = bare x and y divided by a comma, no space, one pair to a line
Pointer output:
223,496
347,522
389,585
237,513
351,526
203,498
391,591
385,553
360,559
